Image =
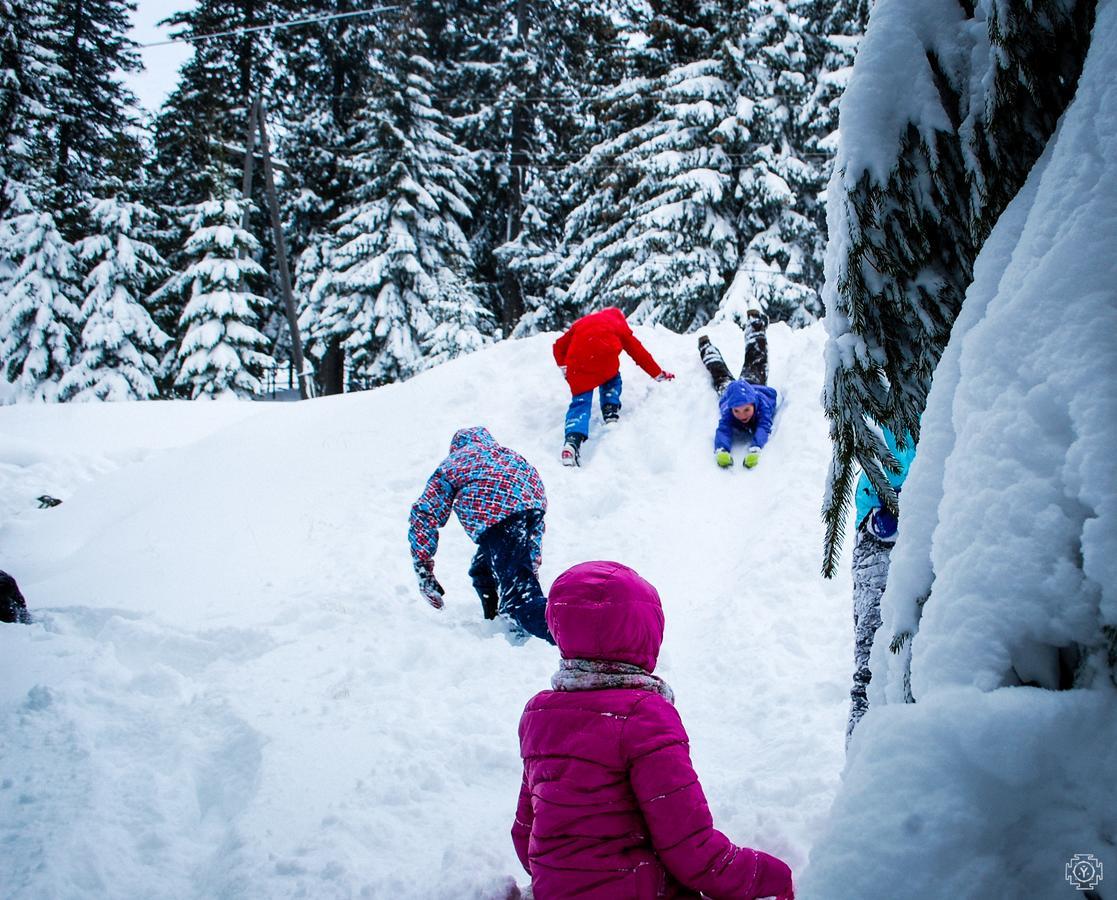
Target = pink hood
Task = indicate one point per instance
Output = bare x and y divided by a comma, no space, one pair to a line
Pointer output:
604,610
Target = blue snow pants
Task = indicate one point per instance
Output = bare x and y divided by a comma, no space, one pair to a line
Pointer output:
578,415
503,572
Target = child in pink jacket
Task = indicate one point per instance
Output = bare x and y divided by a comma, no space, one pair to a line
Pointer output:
610,806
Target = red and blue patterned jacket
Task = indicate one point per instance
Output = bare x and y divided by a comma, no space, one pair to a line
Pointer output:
484,483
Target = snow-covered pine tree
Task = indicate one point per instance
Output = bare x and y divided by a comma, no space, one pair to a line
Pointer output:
400,246
531,257
203,123
836,28
780,221
27,71
518,76
998,619
655,233
119,340
561,56
93,134
201,129
467,41
461,324
322,73
222,352
39,314
556,67
916,185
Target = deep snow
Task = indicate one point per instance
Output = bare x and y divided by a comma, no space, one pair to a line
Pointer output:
233,688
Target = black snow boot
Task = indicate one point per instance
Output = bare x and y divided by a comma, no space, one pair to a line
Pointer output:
755,368
715,364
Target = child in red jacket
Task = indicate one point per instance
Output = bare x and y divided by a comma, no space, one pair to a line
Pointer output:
610,806
589,354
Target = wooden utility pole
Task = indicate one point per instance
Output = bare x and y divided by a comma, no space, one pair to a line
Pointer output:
280,245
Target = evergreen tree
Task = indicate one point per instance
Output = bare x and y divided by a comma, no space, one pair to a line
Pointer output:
204,121
94,146
836,29
655,233
39,316
461,324
911,225
222,350
662,249
779,182
119,340
533,254
322,78
27,69
201,130
517,77
400,247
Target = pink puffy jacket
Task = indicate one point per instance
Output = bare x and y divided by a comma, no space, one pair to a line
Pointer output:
610,805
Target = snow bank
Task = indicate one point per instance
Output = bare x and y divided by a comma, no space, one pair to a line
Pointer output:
972,795
53,453
233,687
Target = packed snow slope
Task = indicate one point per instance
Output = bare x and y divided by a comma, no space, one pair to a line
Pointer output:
233,688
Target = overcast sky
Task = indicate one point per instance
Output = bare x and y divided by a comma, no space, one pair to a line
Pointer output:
161,64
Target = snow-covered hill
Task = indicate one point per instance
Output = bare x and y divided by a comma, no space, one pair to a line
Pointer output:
233,687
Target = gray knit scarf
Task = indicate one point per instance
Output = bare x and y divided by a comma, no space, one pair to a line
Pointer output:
599,674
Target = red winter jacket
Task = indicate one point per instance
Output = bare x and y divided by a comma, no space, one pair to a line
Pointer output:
610,806
591,350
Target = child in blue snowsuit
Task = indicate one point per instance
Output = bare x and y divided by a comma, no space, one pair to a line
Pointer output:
499,499
872,552
746,406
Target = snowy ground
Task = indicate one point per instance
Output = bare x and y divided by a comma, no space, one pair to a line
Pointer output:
233,688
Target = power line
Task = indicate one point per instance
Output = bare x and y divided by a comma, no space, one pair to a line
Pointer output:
510,98
292,24
539,162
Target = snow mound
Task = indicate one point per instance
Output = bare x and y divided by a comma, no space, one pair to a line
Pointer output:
233,687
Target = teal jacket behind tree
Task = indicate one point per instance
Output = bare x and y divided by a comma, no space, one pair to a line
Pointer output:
867,498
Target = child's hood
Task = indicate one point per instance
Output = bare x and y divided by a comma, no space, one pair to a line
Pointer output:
739,393
475,435
605,610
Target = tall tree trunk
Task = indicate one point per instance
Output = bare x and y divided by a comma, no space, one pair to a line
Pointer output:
331,375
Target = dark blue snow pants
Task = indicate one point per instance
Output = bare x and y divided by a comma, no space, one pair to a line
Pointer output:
503,572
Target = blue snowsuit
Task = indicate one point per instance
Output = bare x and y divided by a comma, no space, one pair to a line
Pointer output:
759,427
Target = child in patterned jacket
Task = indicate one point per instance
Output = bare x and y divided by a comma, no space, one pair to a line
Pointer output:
499,499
